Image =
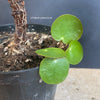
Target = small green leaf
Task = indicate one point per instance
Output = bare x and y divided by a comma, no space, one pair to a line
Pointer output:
74,53
66,28
51,52
54,71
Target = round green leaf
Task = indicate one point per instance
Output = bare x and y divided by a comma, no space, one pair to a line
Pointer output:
54,71
51,52
66,28
74,53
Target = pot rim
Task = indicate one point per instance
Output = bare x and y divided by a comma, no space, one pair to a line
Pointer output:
20,71
6,25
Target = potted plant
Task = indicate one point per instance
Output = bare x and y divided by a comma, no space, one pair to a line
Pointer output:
21,53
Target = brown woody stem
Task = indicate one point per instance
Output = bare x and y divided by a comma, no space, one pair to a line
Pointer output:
20,19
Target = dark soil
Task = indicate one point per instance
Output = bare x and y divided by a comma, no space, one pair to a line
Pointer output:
28,58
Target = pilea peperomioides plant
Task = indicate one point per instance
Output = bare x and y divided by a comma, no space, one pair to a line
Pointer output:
55,66
67,29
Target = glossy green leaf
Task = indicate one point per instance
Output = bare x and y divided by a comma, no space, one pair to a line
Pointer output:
74,53
54,71
66,28
51,52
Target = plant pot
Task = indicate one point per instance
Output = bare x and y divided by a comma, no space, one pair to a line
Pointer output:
25,84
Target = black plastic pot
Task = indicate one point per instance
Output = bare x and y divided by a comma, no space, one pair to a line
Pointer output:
25,84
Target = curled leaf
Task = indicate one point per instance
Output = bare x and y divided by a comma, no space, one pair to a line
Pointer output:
74,53
51,52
